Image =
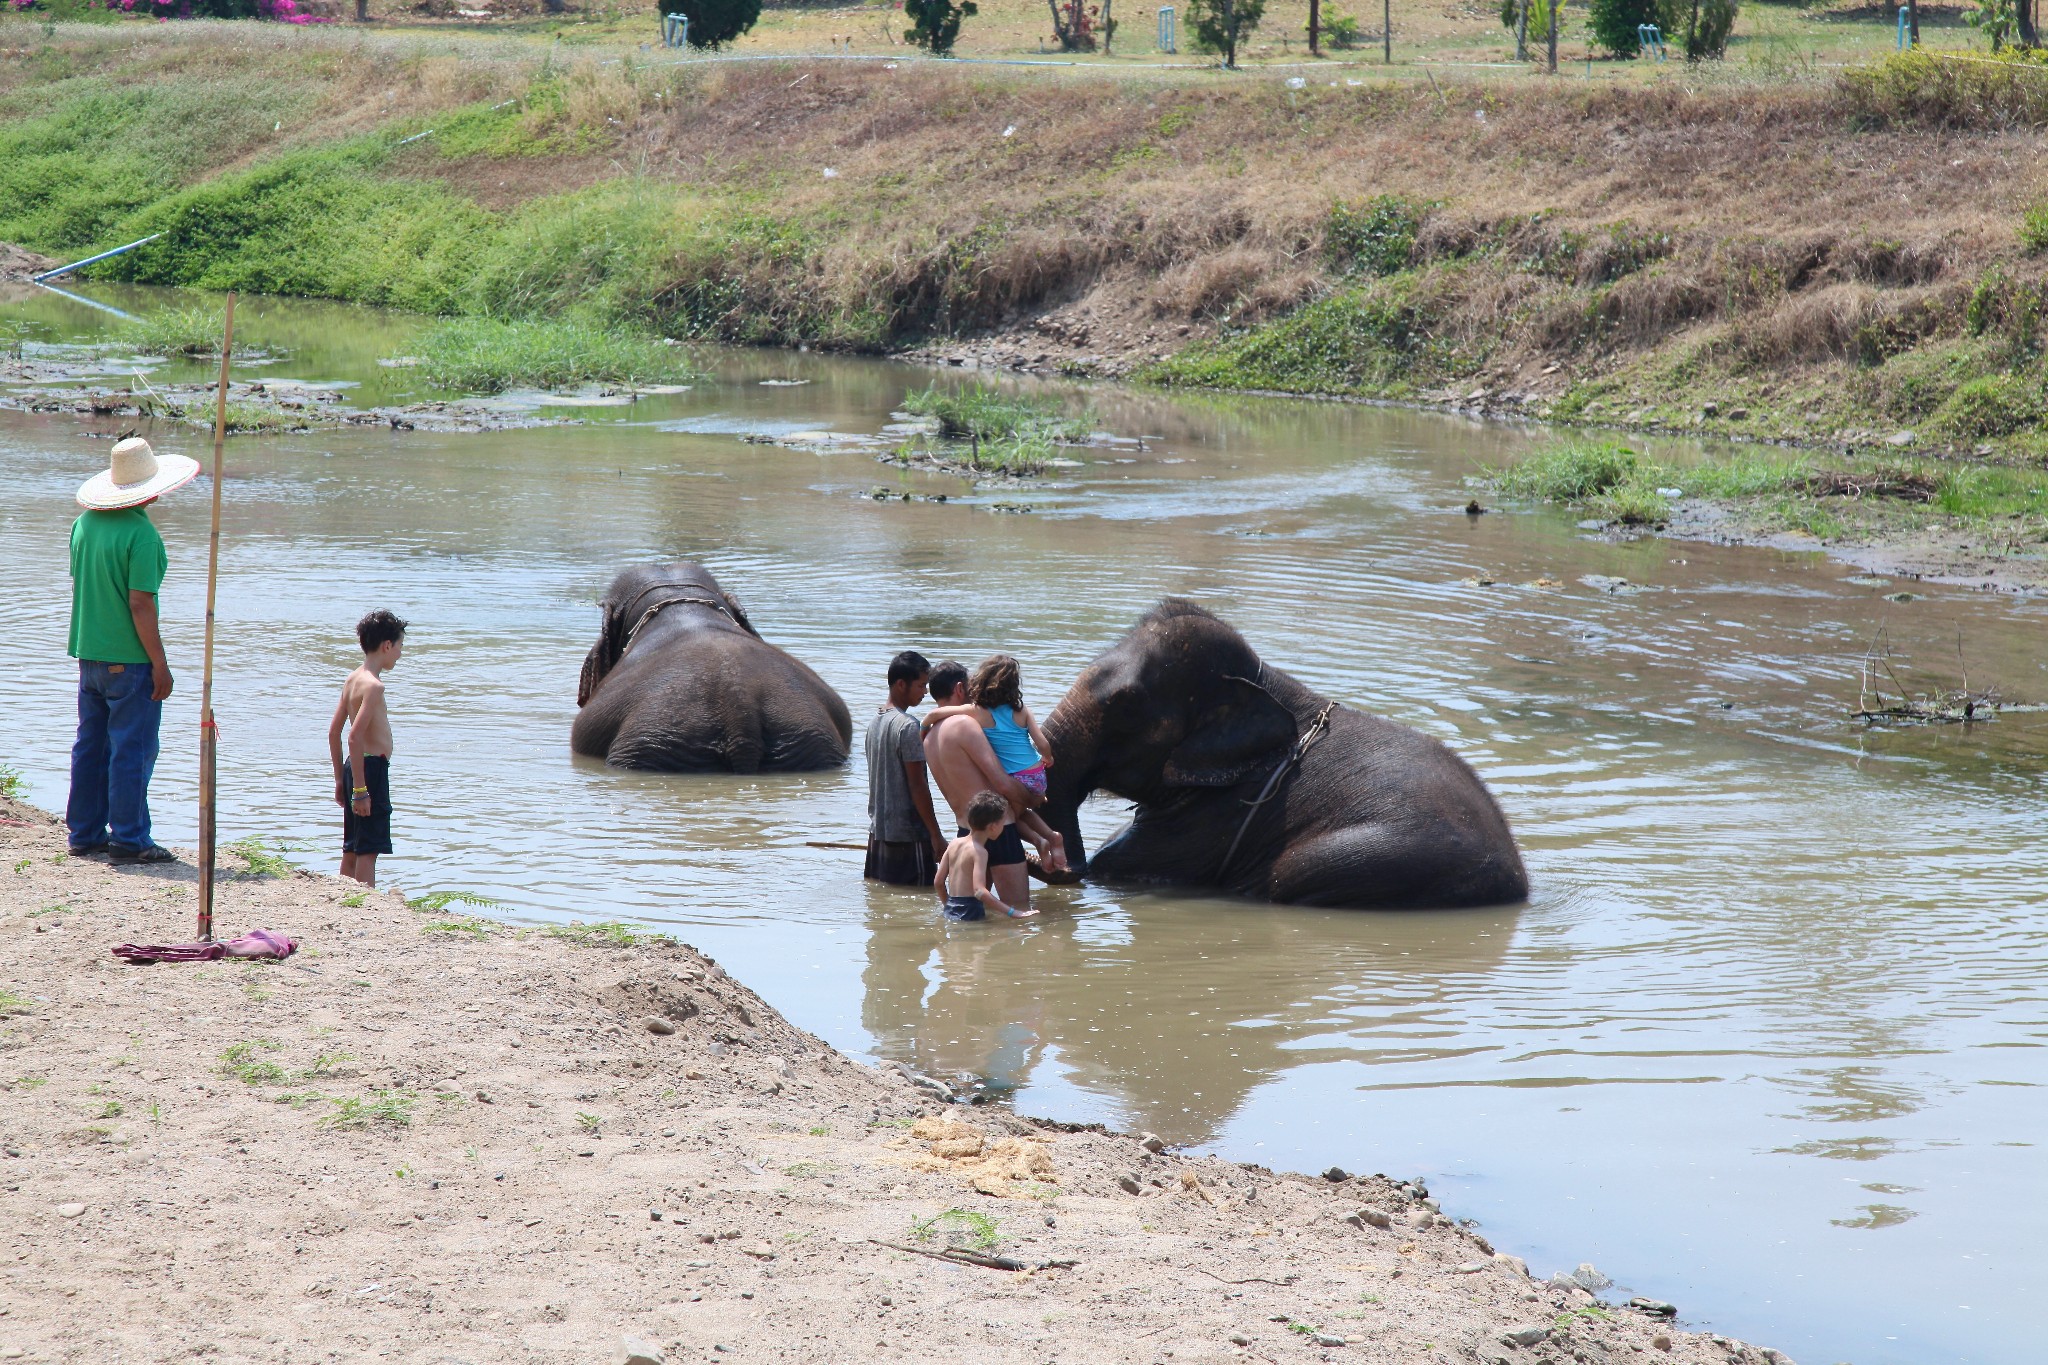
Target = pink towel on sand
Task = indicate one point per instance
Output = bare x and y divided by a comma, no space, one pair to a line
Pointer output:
255,943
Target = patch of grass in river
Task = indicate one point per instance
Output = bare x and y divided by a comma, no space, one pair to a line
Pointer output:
489,355
193,331
1620,484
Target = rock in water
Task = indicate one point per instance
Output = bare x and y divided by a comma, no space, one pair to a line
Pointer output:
1589,1278
641,1352
1654,1306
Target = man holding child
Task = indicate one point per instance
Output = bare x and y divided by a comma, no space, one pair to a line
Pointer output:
957,754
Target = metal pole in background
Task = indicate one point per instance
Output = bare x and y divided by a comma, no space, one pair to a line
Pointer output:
1387,30
209,733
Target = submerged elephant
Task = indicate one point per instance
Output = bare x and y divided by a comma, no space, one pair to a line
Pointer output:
1247,781
680,681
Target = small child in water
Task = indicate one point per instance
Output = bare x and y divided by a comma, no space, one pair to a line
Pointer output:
963,870
362,785
995,697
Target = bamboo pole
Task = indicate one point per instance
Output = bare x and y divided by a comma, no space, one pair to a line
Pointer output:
209,733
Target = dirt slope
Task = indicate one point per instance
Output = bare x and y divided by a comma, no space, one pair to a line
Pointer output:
466,1144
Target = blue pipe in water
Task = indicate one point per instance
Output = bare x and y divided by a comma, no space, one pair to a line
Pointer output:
67,269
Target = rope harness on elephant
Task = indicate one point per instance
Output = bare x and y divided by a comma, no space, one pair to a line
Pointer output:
1315,730
657,608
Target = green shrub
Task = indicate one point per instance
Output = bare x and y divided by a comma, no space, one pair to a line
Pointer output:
1377,236
1699,28
935,24
1918,87
489,355
1341,31
1218,26
1996,405
1615,22
1573,471
2034,230
714,23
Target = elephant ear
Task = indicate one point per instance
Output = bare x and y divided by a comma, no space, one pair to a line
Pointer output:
739,613
611,643
1231,739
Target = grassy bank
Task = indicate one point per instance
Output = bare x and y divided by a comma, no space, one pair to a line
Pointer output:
1820,259
1830,497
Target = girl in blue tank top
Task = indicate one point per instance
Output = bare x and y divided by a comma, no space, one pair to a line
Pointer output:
996,700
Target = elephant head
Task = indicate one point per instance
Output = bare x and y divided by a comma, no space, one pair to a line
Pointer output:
1177,704
628,598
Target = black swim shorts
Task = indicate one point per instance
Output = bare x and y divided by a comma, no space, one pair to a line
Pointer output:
1006,848
369,833
901,864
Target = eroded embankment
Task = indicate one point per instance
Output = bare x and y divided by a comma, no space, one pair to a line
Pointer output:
1846,264
1835,261
426,1135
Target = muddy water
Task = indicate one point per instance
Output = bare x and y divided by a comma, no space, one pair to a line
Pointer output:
1767,1042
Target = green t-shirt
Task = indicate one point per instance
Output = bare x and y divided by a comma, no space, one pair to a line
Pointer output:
112,555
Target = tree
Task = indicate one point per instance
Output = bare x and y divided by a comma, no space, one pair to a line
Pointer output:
1315,27
935,23
1996,18
714,23
1220,25
1616,23
1534,19
1074,24
1700,27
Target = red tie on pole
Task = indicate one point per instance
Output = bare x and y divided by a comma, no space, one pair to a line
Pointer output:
209,733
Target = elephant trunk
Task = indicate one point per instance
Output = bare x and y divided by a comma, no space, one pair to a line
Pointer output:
1071,779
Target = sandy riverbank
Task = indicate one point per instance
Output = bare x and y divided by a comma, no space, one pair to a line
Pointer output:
428,1138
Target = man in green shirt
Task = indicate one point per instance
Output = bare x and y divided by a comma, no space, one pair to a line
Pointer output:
117,565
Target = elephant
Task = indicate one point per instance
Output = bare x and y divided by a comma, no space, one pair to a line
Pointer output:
680,681
1246,781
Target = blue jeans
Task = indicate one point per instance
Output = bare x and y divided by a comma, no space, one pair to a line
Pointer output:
114,755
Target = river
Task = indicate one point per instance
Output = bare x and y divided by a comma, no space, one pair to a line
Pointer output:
1767,1041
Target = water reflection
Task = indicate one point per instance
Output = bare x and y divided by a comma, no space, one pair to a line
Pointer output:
1175,1008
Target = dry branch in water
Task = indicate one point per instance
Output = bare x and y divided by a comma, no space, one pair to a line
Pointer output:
1943,706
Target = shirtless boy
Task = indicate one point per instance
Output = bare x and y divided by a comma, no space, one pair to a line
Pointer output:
362,787
963,872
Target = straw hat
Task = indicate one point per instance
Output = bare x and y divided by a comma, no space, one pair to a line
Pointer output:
134,476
